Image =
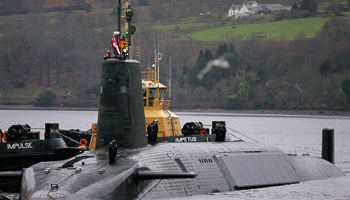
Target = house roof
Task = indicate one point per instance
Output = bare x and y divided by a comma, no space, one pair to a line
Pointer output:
249,3
236,7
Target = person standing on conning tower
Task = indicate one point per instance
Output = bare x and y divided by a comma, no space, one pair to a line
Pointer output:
123,44
115,43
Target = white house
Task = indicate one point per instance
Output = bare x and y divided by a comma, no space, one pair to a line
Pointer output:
237,9
252,7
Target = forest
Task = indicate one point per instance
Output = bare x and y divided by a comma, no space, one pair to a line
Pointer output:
58,55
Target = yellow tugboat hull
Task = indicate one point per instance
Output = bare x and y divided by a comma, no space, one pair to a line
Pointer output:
168,122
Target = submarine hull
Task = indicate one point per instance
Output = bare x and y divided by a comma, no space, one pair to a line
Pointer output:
221,167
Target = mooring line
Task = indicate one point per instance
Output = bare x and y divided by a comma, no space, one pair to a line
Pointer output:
55,186
4,195
234,136
241,134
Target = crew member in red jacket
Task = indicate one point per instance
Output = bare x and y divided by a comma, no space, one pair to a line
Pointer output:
115,43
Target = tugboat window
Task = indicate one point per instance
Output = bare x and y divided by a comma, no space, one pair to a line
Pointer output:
159,93
163,92
152,92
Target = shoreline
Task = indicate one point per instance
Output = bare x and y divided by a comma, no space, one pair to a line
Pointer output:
270,112
278,112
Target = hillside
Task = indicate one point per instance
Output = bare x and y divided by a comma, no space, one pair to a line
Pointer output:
301,65
287,29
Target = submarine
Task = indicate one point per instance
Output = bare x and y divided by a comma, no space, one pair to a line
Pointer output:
163,170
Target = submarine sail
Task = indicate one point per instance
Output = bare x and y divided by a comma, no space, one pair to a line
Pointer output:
121,116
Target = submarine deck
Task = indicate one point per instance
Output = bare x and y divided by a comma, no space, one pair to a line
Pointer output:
221,167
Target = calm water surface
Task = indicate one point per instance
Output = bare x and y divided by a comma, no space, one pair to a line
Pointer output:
290,133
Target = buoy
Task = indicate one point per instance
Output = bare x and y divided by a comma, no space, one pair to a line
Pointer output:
83,142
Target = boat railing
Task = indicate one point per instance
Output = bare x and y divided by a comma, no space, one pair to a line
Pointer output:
148,75
166,104
163,104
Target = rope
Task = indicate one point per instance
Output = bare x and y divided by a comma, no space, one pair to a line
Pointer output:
58,184
151,189
234,136
236,132
68,137
4,195
241,134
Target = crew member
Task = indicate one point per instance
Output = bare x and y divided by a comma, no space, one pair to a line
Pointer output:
108,54
112,151
149,132
115,43
1,135
123,44
221,133
154,132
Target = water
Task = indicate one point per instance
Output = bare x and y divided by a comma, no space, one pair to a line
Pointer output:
292,134
296,134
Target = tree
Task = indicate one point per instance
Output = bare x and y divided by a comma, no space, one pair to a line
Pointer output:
201,61
345,85
310,5
336,29
325,68
45,98
208,55
50,56
295,6
305,13
283,14
221,50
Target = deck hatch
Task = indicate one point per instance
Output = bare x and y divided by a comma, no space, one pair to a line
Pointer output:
257,170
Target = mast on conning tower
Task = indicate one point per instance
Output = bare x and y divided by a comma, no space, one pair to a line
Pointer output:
122,44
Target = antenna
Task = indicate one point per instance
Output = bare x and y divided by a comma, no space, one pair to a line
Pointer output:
119,18
169,77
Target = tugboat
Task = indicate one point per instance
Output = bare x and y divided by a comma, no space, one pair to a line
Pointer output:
20,147
157,109
155,105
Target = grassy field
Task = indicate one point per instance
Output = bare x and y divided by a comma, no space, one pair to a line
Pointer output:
288,29
182,26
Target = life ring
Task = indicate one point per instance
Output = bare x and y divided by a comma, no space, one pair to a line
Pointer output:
83,142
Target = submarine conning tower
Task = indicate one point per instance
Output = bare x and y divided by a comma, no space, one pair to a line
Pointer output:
121,114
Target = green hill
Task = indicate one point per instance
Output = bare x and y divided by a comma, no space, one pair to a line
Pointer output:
287,29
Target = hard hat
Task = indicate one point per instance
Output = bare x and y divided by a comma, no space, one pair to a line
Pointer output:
116,33
156,120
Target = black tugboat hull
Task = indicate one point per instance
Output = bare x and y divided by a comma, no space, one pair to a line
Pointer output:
16,155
